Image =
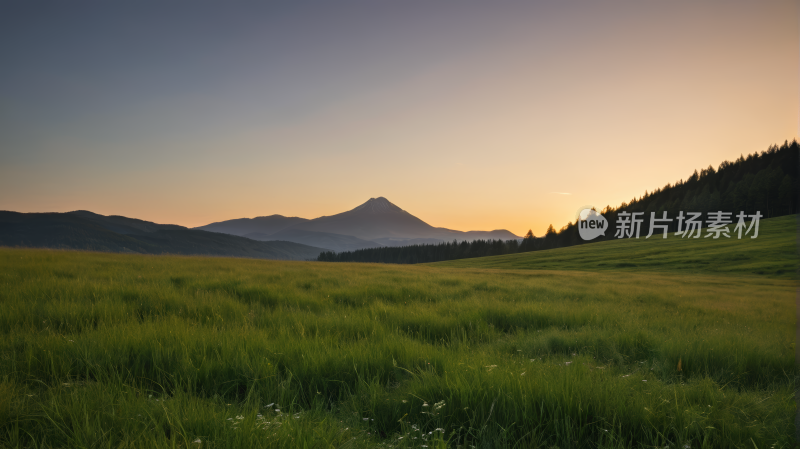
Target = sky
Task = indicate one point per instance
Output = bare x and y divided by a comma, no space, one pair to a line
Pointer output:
470,115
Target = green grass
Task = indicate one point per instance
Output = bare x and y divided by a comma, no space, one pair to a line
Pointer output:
111,350
773,253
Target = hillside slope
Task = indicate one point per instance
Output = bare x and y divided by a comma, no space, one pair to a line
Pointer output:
88,231
773,253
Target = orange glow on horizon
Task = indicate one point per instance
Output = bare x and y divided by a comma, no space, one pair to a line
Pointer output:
513,120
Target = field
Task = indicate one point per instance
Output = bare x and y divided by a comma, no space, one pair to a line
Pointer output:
608,345
773,254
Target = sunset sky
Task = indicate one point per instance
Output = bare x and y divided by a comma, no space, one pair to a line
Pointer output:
470,115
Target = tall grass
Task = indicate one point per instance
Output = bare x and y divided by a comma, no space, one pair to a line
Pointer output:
106,350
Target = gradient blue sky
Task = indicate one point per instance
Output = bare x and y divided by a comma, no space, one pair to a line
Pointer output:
470,115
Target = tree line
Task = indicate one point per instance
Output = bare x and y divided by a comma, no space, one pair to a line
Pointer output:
765,182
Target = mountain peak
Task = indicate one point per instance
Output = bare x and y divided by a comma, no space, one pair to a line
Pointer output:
376,220
377,205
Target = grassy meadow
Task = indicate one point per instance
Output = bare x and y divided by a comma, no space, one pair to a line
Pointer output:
773,254
550,349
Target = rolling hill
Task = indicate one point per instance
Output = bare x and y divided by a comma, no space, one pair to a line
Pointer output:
773,253
85,230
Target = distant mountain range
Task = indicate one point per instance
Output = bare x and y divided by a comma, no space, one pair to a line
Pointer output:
375,223
89,231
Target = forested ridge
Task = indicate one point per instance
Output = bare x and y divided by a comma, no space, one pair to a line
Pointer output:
766,183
